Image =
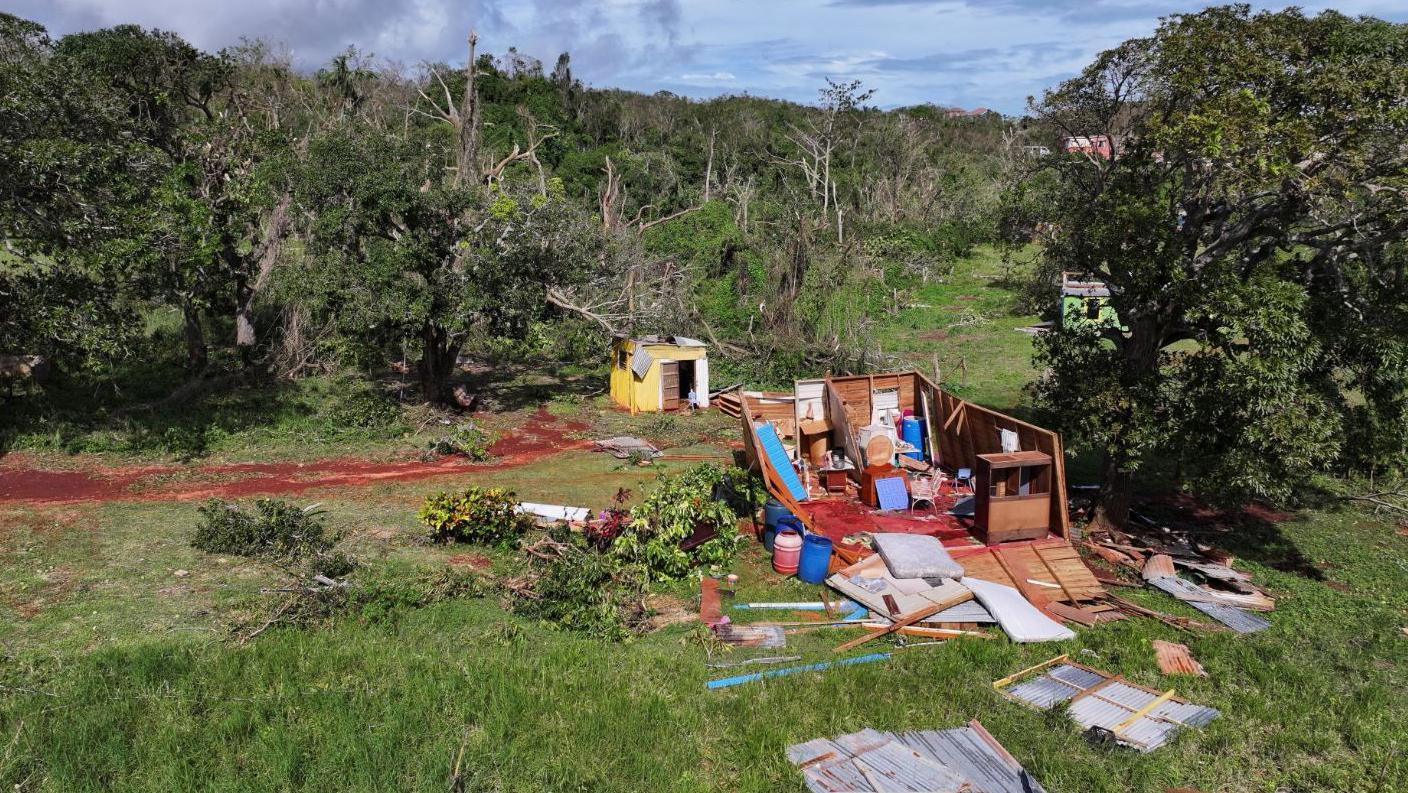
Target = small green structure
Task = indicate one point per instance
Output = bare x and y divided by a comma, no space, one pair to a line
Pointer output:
1086,304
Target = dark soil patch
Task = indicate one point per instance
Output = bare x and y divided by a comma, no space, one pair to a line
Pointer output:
934,335
474,561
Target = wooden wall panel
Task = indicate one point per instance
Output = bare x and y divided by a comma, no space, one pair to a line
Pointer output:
968,430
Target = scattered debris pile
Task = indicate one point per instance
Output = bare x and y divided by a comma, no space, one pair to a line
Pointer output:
1198,574
627,448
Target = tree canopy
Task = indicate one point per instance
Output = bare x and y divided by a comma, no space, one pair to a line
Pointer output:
1250,226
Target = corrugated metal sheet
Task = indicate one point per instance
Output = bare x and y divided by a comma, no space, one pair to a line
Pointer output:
935,761
972,611
1237,619
640,362
1175,659
1043,692
1111,705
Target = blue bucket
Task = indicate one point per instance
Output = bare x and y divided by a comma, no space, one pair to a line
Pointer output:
783,523
816,559
773,511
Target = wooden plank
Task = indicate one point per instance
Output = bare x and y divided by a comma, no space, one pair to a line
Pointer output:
1055,575
1074,614
902,622
1142,712
1015,676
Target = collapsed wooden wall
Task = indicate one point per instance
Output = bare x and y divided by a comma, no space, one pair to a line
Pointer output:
960,429
966,430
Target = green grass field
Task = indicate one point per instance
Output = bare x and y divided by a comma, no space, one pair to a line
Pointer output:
116,673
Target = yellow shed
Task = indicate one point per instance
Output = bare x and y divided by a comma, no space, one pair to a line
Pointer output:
655,373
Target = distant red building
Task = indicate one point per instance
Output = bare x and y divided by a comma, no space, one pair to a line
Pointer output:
1096,145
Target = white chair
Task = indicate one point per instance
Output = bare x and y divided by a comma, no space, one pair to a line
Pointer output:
965,478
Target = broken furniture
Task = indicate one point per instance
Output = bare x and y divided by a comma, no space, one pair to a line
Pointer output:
1013,496
834,480
963,760
1103,704
869,477
963,476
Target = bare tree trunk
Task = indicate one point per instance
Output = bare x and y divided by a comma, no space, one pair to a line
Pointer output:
437,363
1116,494
1140,350
467,156
245,291
709,167
197,353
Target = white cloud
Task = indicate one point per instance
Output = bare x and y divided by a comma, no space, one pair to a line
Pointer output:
716,77
992,53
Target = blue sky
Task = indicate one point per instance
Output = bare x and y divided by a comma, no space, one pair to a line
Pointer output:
970,53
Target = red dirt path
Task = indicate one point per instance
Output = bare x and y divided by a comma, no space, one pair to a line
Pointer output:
543,435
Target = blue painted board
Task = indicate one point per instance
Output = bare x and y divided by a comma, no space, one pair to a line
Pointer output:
891,493
777,456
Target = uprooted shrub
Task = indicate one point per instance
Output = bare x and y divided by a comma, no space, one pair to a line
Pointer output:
295,538
574,586
595,582
487,516
467,440
701,505
376,600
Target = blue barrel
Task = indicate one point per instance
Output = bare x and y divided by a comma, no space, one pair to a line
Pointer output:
912,432
816,559
774,513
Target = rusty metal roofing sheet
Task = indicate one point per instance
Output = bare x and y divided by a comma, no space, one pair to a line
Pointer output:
936,761
1175,659
1239,620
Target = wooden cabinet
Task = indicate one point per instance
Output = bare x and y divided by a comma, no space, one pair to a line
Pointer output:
1013,500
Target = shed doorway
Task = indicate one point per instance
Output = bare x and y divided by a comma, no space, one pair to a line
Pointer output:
676,382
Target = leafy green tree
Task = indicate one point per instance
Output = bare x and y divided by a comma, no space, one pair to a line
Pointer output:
399,252
68,174
1246,225
205,227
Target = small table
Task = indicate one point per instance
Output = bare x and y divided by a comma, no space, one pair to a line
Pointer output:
833,480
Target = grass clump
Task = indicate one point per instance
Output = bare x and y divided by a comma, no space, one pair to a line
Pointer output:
364,409
295,538
486,516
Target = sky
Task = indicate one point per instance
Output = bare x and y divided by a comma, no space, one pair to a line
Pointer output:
964,53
